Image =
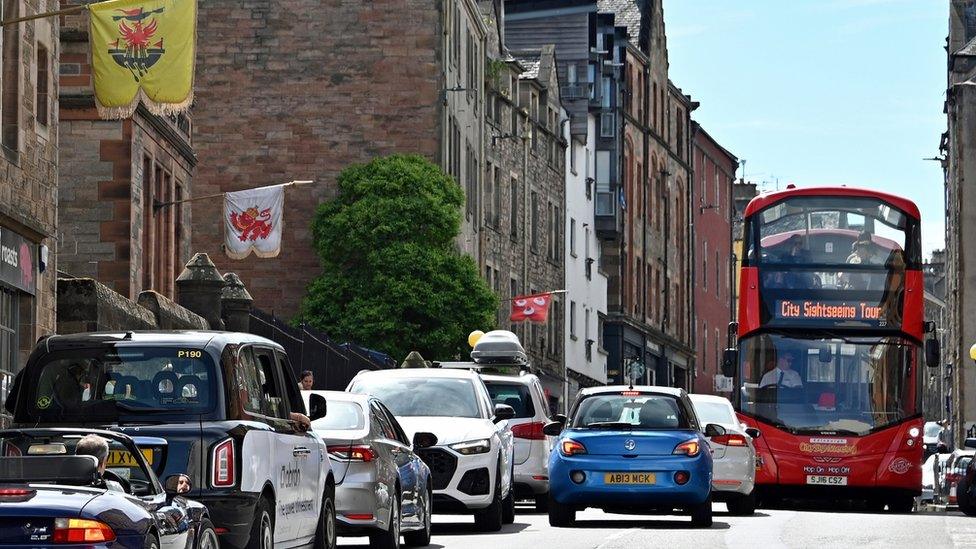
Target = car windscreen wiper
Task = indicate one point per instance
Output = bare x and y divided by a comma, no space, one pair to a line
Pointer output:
147,409
610,425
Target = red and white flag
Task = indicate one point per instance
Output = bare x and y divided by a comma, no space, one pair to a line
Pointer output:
534,308
252,221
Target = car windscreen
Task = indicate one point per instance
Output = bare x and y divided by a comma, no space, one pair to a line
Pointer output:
515,395
932,430
343,415
714,412
124,380
620,411
422,396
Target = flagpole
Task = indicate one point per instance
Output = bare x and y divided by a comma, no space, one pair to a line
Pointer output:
160,205
66,11
538,293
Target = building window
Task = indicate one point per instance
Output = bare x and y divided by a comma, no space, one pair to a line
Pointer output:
43,90
514,207
572,237
496,208
586,252
10,100
572,319
534,214
490,197
9,345
571,74
161,229
705,268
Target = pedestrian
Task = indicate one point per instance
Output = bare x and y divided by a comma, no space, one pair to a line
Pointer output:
306,380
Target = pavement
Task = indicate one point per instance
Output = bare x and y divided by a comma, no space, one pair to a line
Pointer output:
768,529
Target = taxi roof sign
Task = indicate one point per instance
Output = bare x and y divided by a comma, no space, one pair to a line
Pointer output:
499,346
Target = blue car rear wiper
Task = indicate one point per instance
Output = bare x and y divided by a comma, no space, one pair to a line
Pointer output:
610,425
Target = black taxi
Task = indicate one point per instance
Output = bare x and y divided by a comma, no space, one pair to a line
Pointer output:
222,407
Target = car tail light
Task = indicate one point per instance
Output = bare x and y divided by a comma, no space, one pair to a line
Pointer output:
14,492
630,393
529,431
354,453
10,450
223,465
690,448
81,531
682,477
570,447
730,440
358,516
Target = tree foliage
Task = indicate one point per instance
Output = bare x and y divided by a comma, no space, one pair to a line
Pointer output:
392,278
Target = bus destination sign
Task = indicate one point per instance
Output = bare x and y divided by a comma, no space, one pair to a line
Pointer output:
856,311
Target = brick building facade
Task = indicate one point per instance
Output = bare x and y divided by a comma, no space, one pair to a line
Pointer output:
712,210
269,108
112,173
29,184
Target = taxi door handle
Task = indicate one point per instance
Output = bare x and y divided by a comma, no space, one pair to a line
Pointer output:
300,451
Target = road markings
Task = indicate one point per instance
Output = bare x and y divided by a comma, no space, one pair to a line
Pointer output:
610,540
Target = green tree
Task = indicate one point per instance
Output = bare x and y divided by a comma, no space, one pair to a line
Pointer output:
392,278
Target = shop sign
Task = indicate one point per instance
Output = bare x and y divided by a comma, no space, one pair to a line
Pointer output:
18,261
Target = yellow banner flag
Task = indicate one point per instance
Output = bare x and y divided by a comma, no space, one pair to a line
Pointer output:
143,50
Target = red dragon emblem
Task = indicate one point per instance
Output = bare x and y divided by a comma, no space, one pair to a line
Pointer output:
134,49
252,224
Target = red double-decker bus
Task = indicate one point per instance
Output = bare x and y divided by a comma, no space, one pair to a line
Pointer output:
830,345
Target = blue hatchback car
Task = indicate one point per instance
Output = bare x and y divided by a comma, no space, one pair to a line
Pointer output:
632,450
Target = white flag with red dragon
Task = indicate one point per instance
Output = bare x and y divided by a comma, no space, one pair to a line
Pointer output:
252,222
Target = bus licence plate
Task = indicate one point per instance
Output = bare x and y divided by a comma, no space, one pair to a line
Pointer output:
629,478
828,480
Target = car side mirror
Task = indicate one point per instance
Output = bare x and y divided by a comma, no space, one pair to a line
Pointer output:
316,407
424,440
933,352
713,430
178,484
753,432
553,428
730,358
970,443
503,412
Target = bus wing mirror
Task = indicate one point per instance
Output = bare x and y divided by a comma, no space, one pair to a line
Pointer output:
825,355
933,351
729,361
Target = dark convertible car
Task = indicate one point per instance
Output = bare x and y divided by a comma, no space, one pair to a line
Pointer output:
50,497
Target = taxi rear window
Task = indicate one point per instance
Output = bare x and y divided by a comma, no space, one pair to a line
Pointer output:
132,380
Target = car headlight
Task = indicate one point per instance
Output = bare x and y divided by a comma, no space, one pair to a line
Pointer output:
480,446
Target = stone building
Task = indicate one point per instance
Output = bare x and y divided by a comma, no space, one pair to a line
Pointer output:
712,212
29,186
399,76
613,59
959,146
523,198
117,178
936,383
742,193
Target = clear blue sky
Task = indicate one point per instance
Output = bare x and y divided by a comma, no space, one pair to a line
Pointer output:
821,91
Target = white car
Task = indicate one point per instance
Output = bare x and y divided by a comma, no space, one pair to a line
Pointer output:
525,395
733,455
471,465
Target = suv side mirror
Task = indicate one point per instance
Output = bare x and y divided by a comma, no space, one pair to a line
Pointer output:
503,412
177,484
730,358
553,428
713,430
316,407
424,440
933,352
753,432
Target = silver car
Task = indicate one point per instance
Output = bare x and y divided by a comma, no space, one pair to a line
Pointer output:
383,489
733,455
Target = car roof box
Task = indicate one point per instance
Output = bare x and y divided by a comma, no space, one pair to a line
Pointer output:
499,347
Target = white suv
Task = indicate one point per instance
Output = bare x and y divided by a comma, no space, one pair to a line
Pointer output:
471,465
524,393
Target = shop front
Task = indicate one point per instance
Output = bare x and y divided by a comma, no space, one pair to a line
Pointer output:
18,288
